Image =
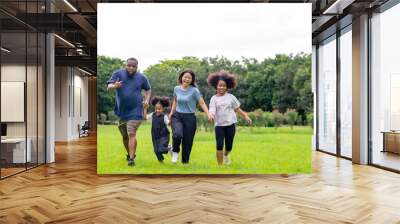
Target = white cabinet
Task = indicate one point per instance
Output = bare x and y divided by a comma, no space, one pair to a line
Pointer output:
18,149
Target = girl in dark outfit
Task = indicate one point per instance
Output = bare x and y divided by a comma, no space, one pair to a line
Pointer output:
159,131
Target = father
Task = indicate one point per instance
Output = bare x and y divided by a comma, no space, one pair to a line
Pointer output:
129,103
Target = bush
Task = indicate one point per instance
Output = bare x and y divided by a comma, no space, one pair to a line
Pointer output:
291,117
112,117
262,119
202,122
102,118
241,121
277,118
300,120
310,119
267,119
258,118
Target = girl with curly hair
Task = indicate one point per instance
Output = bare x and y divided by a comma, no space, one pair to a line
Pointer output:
159,131
223,108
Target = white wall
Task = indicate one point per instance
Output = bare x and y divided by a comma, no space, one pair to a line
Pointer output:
33,127
80,115
314,91
14,72
71,94
61,103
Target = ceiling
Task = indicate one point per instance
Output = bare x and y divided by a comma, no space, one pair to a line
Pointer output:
76,39
76,21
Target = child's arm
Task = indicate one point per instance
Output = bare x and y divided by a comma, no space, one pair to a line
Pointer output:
244,115
213,107
150,116
166,120
145,116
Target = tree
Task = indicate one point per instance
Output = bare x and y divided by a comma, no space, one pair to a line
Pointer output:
105,67
281,82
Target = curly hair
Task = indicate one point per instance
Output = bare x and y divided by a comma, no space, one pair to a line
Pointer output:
191,73
163,100
229,78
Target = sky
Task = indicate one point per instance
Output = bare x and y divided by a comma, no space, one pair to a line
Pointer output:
154,32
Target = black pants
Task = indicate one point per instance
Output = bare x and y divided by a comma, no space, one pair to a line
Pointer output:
160,146
183,131
226,133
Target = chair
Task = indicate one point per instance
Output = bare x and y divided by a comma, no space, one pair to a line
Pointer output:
84,130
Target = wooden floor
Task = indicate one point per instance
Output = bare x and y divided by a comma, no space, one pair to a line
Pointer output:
387,159
70,191
10,171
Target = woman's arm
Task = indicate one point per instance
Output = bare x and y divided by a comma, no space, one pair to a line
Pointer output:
244,115
204,108
173,108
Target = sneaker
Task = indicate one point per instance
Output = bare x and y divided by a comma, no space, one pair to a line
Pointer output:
127,157
175,156
131,162
227,160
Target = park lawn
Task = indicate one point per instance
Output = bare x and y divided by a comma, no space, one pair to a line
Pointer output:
255,151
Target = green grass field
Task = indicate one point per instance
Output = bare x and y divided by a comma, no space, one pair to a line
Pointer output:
255,151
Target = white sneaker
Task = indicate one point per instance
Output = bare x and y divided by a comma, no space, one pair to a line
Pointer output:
227,160
175,156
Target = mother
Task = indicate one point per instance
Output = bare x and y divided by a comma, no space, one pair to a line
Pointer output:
182,116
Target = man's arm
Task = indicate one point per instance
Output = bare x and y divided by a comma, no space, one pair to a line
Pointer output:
147,92
111,86
146,101
117,84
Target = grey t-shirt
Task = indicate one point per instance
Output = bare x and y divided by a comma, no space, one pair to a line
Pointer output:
186,100
223,107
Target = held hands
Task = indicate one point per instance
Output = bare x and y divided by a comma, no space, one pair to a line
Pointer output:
211,117
145,104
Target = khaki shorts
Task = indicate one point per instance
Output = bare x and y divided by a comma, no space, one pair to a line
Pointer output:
129,127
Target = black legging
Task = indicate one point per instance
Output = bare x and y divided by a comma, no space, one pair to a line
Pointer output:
226,133
183,131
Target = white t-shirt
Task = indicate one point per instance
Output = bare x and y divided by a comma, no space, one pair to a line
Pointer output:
223,107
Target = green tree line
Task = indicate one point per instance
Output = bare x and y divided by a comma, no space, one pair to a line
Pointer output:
282,83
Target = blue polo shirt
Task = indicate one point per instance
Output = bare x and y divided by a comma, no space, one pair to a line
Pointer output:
129,100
